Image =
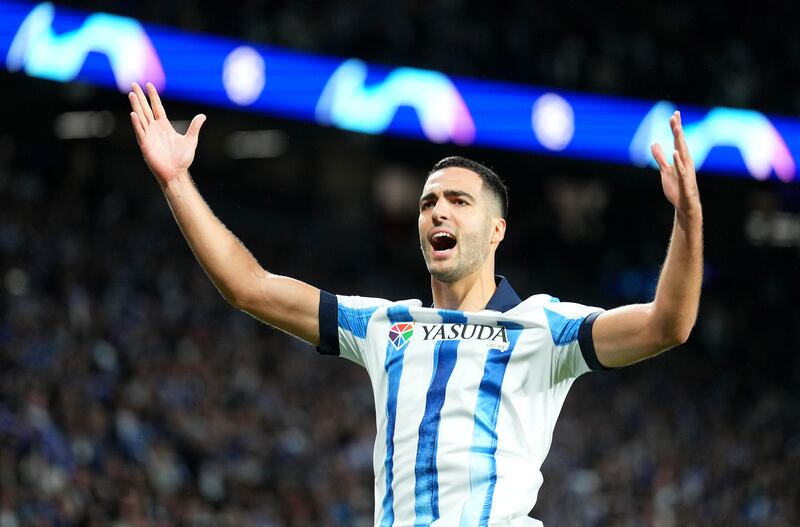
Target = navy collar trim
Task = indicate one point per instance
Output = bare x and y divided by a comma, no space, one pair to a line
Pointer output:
504,297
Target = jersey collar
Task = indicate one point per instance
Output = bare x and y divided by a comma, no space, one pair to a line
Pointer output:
504,297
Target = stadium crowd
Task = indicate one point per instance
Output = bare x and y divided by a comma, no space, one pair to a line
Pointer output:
131,395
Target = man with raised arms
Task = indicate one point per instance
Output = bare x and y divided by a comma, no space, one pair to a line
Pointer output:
466,391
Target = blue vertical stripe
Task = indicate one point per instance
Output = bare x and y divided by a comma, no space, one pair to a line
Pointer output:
394,370
426,488
482,462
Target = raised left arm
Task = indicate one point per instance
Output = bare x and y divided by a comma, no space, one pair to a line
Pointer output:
632,333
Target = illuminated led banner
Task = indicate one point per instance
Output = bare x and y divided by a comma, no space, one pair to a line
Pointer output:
65,45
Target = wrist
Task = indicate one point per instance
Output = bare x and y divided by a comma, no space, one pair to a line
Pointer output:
176,182
694,213
689,220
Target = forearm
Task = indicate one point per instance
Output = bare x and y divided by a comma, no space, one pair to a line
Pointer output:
283,302
631,333
628,334
674,309
225,260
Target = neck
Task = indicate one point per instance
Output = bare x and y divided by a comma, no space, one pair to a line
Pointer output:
470,293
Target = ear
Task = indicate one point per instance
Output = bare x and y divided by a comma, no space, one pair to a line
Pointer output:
498,230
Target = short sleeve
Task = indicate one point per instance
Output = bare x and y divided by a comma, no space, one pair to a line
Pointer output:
343,324
571,330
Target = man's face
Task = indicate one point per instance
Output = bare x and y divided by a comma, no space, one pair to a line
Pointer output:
457,224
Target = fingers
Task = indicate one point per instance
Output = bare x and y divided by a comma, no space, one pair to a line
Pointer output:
658,155
147,113
681,158
155,101
137,127
137,108
194,126
681,168
679,137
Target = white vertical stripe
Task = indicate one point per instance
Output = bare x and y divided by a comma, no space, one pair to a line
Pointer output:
455,432
417,371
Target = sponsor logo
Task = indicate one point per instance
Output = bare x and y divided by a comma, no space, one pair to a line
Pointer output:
492,336
400,334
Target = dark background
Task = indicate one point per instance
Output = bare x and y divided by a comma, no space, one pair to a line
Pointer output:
131,394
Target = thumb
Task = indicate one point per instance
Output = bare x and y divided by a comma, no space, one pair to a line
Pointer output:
194,126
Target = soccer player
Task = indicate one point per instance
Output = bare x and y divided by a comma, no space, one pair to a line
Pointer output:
467,391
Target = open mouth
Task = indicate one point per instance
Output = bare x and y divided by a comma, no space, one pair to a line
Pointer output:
443,242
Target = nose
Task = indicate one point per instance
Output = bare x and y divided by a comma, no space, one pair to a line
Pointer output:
440,212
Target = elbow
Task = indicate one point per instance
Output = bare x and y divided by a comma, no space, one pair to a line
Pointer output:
243,294
238,297
252,296
674,336
684,335
671,328
243,300
233,299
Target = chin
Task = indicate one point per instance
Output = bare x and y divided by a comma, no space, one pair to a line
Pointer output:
445,274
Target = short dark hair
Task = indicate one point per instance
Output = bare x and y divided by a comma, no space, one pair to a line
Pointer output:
492,181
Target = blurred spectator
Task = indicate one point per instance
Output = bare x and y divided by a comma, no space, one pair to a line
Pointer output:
132,395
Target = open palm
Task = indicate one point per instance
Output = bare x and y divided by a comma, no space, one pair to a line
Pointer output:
678,179
166,152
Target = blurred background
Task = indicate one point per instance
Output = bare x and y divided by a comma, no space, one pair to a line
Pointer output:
131,394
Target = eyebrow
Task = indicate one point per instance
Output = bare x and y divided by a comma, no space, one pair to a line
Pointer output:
447,194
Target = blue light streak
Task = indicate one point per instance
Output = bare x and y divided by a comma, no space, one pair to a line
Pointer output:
66,45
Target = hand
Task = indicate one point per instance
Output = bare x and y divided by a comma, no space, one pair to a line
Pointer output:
167,153
679,180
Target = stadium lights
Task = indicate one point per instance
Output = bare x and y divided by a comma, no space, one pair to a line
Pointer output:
349,94
83,125
774,229
16,281
243,74
256,144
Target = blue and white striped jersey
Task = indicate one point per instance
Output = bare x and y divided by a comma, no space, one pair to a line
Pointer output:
466,402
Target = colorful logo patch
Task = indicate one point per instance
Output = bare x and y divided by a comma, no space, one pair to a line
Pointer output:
401,333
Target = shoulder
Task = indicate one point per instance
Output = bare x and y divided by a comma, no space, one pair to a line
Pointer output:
563,319
534,304
365,308
552,304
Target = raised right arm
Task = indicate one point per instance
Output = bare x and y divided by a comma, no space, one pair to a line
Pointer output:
279,301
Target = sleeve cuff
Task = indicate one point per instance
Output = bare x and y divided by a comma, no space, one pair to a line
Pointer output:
586,342
328,324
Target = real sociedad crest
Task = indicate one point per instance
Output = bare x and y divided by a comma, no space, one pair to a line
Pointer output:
400,334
